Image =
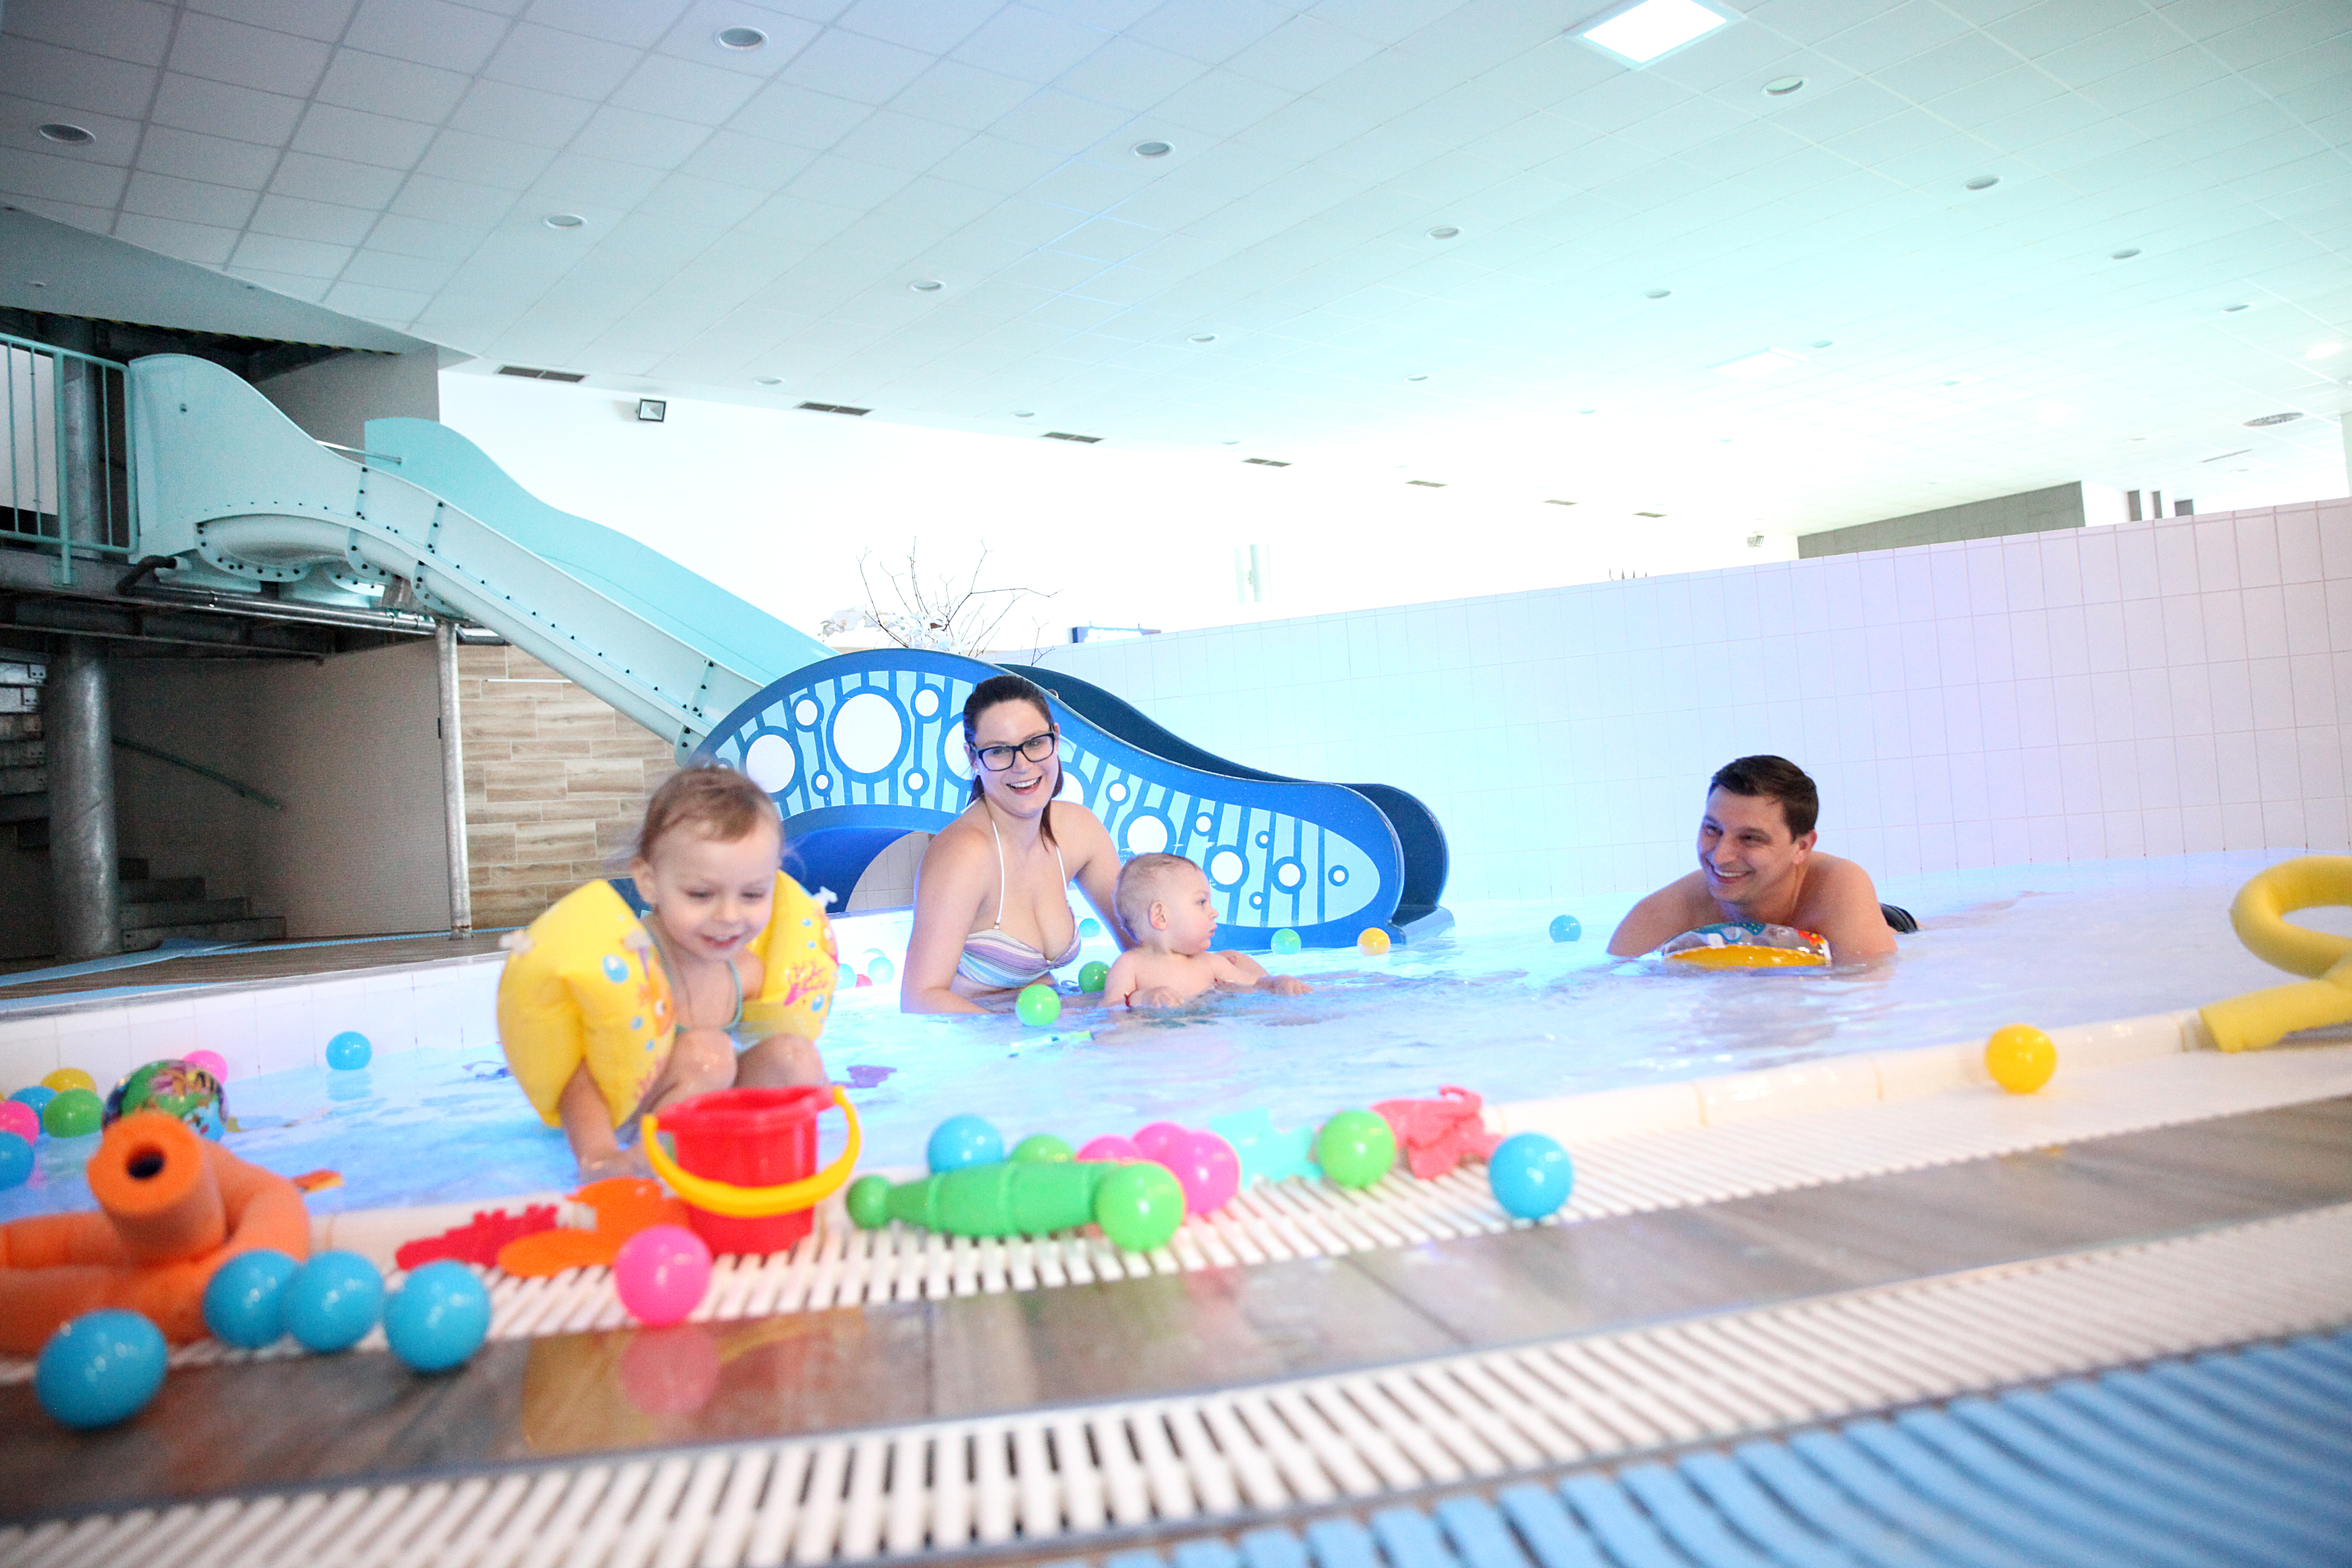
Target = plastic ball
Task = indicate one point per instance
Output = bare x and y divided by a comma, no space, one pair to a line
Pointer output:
1110,1146
1140,1206
180,1089
74,1113
1566,928
863,980
348,1051
1372,942
1207,1170
100,1368
2020,1057
211,1062
661,1273
15,1159
334,1300
846,978
37,1095
1287,941
1041,1148
64,1078
962,1140
869,1202
881,972
244,1303
1531,1175
1038,1005
21,1119
1089,928
1092,975
438,1318
1159,1140
1355,1148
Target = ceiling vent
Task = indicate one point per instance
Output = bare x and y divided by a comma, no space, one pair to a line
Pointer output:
528,374
1065,436
2274,419
1549,501
1649,514
835,408
1428,484
1266,462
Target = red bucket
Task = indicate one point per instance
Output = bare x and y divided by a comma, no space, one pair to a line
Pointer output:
746,1164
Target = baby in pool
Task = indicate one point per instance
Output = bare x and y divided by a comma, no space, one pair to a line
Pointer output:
1165,903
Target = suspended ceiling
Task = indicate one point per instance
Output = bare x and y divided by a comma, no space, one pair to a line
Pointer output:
1282,282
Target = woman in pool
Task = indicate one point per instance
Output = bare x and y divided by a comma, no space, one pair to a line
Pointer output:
991,899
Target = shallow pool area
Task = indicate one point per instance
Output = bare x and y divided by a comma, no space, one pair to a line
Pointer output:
1494,1005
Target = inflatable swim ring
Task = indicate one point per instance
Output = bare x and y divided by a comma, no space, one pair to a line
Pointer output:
2258,914
585,984
1748,944
173,1207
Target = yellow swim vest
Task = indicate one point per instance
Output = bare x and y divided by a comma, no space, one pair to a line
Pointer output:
585,984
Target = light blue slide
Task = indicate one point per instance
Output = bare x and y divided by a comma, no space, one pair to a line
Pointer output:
858,748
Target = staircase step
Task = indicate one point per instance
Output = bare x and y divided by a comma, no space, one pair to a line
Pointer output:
26,780
185,911
22,754
25,808
20,726
162,889
258,928
34,837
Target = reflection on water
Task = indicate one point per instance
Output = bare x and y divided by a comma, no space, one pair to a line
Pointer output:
1494,1005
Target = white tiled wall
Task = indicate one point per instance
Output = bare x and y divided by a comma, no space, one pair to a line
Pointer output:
2150,689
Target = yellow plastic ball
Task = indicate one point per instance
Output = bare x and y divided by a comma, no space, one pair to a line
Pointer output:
2020,1057
1373,942
64,1078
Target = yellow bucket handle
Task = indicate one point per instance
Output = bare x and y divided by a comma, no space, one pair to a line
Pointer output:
727,1199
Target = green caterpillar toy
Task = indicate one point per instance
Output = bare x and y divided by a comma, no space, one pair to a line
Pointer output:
1138,1206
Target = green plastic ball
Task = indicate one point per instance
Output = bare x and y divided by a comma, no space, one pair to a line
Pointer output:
75,1113
869,1202
1355,1148
1140,1206
1043,1148
1286,940
1038,1005
1092,975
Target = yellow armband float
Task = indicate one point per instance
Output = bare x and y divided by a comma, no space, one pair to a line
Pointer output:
2258,914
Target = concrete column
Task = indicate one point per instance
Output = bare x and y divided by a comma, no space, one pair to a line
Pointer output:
77,725
453,785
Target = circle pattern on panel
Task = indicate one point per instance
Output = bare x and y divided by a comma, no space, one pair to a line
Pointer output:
915,782
1227,867
953,757
926,701
1339,876
805,713
773,763
1118,791
1289,874
1146,834
1264,840
1204,823
868,732
1072,788
821,783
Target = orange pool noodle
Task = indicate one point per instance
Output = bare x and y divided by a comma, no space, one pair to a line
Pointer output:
172,1209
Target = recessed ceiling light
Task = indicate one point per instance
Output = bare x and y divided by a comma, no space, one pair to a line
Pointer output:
1234,443
768,381
1781,87
1984,182
2232,309
740,39
1642,33
563,220
1953,381
1747,367
1820,343
927,285
2288,419
1418,375
2125,254
70,135
2321,350
1025,414
1152,149
1201,338
1658,294
1444,231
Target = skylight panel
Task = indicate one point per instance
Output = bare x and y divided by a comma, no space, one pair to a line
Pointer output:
1654,27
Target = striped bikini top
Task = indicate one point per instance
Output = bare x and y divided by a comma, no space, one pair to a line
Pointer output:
997,962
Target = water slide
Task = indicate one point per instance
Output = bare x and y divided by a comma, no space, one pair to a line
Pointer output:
858,749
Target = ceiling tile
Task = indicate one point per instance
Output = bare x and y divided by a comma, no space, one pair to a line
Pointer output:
462,155
1896,34
953,93
508,112
453,201
390,271
934,26
328,131
189,201
1059,121
429,32
294,285
995,164
558,62
683,89
321,20
799,116
199,243
797,220
847,65
1222,103
212,159
749,161
2054,24
1210,31
1034,45
218,109
293,219
633,23
299,258
900,141
845,182
398,305
382,85
1127,74
626,136
334,180
1302,55
694,36
598,184
134,30
248,57
701,201
118,139
76,79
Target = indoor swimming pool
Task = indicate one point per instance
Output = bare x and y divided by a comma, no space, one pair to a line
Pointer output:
1494,1005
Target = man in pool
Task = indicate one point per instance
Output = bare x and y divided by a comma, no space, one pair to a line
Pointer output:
1756,862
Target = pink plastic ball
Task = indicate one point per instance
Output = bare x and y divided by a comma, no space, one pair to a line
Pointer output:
1158,1141
1110,1146
21,1119
661,1274
1207,1169
211,1062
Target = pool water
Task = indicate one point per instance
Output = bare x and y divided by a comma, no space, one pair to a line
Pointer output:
1494,1005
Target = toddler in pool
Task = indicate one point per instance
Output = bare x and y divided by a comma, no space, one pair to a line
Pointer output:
747,955
1165,904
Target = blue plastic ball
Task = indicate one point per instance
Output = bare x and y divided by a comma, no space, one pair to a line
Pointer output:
15,1159
1089,928
438,1318
1531,1175
962,1140
37,1095
332,1300
348,1051
100,1368
244,1303
1566,928
1287,941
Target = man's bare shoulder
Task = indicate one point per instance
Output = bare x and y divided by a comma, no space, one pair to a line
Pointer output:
1830,876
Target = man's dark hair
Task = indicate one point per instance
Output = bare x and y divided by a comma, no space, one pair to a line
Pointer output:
1776,778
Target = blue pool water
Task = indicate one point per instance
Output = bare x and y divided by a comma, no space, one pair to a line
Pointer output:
1494,1005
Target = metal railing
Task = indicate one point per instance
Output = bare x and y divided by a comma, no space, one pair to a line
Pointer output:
66,478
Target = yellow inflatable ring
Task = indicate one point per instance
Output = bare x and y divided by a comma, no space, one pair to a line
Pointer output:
584,985
1746,944
2258,915
755,1203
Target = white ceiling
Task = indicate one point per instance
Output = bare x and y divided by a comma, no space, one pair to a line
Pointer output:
764,214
